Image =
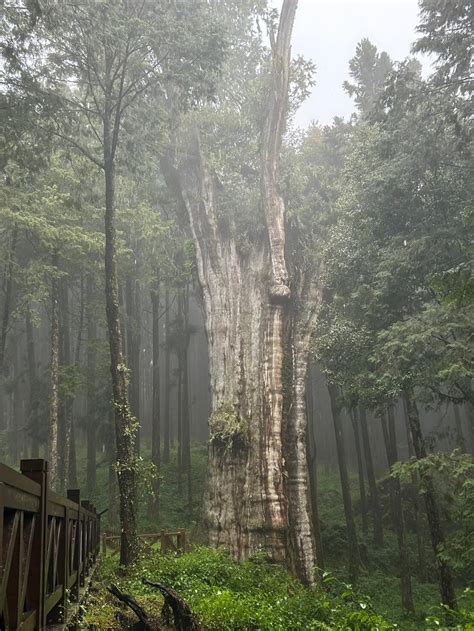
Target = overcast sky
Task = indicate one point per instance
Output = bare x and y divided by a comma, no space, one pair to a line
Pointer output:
327,31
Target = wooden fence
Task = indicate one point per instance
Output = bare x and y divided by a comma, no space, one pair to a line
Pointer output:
170,541
48,547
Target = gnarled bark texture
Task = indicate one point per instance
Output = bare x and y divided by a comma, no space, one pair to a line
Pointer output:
255,326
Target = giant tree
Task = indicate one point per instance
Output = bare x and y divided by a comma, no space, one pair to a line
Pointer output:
259,307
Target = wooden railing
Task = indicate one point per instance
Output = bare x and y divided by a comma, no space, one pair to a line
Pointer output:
48,547
170,541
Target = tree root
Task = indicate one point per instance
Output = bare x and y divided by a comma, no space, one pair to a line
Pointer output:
147,623
184,618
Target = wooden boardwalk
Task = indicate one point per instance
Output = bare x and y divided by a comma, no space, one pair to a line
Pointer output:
48,549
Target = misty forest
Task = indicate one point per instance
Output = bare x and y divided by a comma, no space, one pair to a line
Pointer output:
218,323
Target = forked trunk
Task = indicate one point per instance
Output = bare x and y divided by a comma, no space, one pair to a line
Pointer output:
246,299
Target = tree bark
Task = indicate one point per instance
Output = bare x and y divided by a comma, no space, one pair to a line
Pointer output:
446,584
360,470
461,441
167,384
91,413
353,544
66,396
374,494
154,503
125,424
185,420
33,426
53,427
246,300
311,452
132,293
8,296
398,519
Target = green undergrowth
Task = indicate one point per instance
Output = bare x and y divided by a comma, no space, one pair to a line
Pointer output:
231,596
174,508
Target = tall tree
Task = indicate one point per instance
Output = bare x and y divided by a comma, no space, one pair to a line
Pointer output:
246,502
117,54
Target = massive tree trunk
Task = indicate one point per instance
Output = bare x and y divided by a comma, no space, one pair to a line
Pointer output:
246,299
125,424
353,544
446,583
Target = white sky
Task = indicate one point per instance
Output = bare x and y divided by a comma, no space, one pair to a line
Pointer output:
327,31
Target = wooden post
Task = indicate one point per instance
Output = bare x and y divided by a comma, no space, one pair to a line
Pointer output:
163,547
75,496
37,470
104,544
181,540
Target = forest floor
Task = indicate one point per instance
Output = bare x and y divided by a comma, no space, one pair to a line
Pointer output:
256,595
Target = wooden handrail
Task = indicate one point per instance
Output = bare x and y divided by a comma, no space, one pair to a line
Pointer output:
48,546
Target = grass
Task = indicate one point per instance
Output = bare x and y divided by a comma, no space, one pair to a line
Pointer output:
228,596
222,602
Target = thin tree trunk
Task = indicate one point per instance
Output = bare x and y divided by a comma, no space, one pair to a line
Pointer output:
360,470
311,453
33,425
7,310
374,494
125,425
8,296
66,396
132,293
354,555
185,427
153,505
397,516
53,426
419,525
167,384
91,406
446,584
461,442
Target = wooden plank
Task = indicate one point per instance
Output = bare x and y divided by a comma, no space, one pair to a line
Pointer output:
17,480
18,499
53,599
